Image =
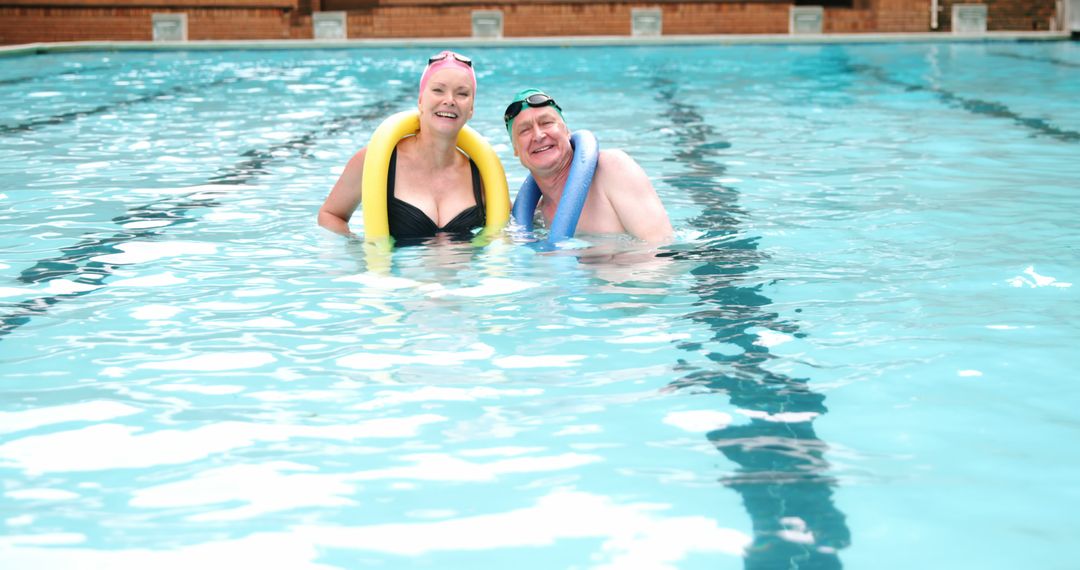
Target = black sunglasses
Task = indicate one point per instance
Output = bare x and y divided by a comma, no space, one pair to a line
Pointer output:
467,61
534,100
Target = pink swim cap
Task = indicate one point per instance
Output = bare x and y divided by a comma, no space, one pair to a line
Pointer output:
447,59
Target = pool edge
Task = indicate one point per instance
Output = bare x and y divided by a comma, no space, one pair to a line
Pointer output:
546,41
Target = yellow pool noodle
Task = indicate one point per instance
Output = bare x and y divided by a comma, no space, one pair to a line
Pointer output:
377,162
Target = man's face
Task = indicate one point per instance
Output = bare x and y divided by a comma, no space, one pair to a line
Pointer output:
541,139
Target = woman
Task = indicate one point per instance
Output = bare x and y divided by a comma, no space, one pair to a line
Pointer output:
432,187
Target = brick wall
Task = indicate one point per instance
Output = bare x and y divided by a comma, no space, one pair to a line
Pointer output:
522,19
902,15
421,21
20,25
727,18
848,21
565,19
360,24
27,21
1006,15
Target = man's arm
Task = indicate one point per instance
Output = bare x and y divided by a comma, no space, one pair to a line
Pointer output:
633,197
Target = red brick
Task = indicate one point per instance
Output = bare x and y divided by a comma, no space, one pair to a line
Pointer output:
26,21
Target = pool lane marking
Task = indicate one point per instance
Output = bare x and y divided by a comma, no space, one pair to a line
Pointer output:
1050,60
61,118
77,259
167,208
976,106
68,73
789,478
65,117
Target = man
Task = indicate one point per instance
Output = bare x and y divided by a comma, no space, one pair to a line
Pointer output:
621,198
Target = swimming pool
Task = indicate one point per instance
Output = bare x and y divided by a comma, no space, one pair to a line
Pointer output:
859,353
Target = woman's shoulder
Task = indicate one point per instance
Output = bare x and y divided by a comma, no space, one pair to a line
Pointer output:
357,160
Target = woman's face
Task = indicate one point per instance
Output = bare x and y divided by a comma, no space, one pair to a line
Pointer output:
446,102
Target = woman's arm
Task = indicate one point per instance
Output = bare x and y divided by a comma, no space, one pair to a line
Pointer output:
339,206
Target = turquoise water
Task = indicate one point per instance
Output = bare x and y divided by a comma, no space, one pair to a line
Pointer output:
860,352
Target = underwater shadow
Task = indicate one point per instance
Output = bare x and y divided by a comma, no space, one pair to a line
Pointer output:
782,474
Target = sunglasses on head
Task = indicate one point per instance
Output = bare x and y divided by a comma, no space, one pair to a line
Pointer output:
534,100
467,61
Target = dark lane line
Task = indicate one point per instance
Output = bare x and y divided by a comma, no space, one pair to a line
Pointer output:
976,106
782,475
1050,60
76,262
173,210
35,124
32,78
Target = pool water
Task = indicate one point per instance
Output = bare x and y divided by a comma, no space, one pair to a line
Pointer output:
859,352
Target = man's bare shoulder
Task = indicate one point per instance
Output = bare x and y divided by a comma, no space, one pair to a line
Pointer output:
617,168
632,197
615,157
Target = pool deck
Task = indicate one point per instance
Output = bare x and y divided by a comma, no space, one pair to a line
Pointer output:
559,41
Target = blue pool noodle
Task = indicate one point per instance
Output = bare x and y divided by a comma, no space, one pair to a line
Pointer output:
582,169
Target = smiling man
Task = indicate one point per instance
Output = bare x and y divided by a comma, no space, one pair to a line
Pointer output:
620,200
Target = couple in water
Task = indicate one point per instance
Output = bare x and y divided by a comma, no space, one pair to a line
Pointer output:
434,188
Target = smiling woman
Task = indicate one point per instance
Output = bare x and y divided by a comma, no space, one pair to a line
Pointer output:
429,187
377,166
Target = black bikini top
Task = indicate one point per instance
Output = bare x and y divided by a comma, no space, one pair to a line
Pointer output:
409,222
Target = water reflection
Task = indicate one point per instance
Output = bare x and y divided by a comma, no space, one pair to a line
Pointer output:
41,77
147,221
62,118
983,107
782,473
